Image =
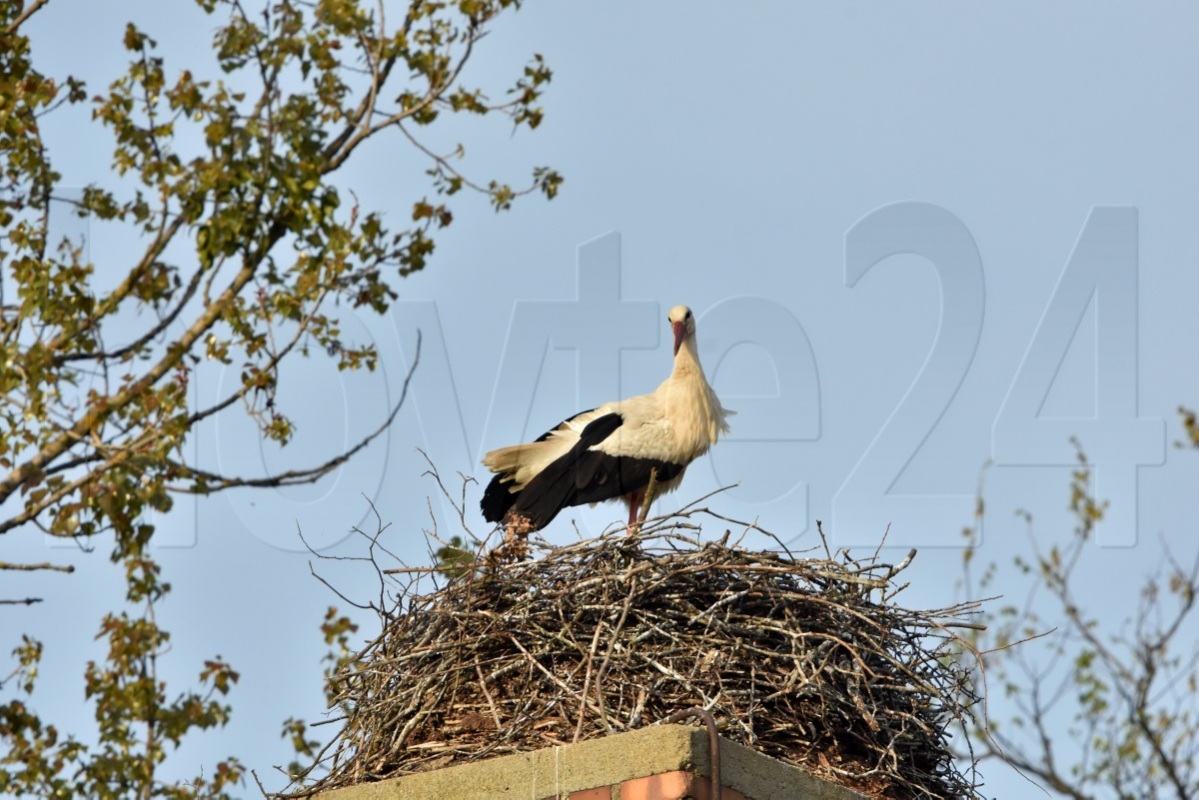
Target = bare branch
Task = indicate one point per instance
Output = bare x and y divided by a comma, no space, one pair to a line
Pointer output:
68,568
215,482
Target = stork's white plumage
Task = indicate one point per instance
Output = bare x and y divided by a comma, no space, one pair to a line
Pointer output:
609,452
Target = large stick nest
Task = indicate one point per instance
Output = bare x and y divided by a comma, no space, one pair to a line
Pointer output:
807,660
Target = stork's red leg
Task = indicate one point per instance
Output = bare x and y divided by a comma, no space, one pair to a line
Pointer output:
634,504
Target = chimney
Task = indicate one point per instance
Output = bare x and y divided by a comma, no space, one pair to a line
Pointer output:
663,762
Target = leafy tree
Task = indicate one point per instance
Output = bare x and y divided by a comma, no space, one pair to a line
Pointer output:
1102,710
227,174
247,239
135,721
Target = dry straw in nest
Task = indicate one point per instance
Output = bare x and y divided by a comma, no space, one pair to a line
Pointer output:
807,660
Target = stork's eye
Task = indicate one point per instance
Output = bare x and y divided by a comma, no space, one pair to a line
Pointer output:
687,315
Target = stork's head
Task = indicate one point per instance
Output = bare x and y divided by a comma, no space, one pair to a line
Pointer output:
682,322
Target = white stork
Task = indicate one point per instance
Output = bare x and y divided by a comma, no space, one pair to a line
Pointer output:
610,451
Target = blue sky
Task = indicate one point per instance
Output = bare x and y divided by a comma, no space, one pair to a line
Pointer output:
889,220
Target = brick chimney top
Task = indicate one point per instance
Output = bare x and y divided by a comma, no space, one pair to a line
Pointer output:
664,762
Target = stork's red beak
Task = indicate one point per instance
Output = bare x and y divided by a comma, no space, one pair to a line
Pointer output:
680,333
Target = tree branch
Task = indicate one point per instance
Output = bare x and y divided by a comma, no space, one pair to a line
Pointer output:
24,16
215,482
163,323
98,414
5,565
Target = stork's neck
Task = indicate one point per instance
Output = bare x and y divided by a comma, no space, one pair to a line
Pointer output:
695,414
686,361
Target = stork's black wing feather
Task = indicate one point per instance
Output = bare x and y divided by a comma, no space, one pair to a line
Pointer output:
498,499
584,475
